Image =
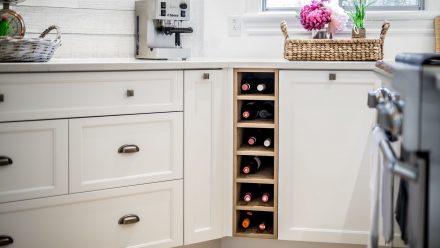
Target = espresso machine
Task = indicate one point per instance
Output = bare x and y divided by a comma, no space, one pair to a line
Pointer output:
159,26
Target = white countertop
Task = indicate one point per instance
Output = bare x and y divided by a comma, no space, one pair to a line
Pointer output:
77,65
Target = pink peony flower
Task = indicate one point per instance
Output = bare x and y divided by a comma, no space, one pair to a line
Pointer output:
315,16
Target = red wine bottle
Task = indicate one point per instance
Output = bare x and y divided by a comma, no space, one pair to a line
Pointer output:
247,220
254,137
262,226
266,192
248,86
266,110
249,192
250,165
249,111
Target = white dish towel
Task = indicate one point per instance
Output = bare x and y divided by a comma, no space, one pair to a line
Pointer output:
381,190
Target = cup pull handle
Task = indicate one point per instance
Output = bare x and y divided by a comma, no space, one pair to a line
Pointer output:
206,76
5,161
6,240
128,149
129,219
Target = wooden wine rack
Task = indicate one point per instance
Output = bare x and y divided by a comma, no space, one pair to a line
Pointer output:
267,175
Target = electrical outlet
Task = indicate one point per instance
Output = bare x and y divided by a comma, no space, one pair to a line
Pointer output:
234,26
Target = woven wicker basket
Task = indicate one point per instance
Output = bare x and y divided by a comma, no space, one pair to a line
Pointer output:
29,49
334,49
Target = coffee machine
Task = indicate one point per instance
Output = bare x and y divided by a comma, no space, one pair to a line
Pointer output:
159,26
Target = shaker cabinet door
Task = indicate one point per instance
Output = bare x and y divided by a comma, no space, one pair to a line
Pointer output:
203,155
324,127
33,159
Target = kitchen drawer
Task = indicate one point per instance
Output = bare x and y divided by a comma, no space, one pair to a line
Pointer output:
97,161
336,77
92,219
64,95
34,159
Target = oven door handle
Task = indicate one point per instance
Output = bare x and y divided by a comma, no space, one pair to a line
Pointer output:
398,168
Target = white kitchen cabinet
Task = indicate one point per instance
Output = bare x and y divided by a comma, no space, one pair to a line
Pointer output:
108,152
153,219
324,127
29,96
34,159
204,159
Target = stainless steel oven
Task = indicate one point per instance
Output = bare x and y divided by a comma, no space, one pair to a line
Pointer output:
408,110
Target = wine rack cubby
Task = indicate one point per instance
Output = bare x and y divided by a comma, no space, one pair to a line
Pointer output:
255,162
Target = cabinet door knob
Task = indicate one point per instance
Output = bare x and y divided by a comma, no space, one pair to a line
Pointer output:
128,149
332,76
130,93
4,161
129,219
206,76
6,240
2,98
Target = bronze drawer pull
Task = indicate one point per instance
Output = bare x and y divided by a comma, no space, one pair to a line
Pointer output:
129,219
128,149
6,240
130,93
4,161
332,76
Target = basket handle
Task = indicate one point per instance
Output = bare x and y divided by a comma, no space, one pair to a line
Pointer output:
385,27
47,31
284,30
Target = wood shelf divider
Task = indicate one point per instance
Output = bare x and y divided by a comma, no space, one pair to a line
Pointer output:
268,174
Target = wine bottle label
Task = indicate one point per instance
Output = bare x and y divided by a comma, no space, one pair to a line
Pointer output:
247,197
261,87
245,87
252,141
268,142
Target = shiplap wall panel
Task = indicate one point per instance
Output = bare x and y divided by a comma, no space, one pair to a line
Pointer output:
96,46
79,21
91,4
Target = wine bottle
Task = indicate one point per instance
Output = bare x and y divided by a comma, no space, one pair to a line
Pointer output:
265,87
249,192
265,197
266,110
249,111
248,86
247,220
268,141
262,226
266,192
250,165
254,137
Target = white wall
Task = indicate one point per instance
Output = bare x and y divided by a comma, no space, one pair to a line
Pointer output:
105,28
262,38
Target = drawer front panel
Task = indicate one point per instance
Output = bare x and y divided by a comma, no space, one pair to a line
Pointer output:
96,159
34,159
64,95
92,219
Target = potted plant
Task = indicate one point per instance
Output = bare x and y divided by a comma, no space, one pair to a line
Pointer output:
358,18
324,18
